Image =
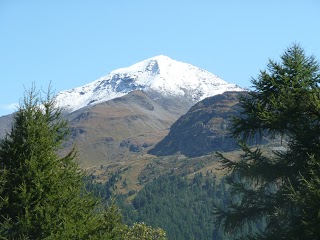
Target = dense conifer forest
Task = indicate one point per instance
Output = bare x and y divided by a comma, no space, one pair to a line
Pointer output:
182,207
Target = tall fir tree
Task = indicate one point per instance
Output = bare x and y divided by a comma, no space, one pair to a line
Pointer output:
307,198
285,104
42,194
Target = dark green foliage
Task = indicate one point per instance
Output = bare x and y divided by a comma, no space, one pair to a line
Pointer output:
43,192
307,197
285,103
141,231
103,190
183,208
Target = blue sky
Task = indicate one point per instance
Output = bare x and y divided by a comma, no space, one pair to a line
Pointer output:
71,43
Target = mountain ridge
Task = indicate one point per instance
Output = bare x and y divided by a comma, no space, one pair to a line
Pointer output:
122,128
124,114
203,129
160,74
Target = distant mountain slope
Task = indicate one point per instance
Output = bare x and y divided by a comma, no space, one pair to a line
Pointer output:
158,74
203,129
122,127
5,124
124,114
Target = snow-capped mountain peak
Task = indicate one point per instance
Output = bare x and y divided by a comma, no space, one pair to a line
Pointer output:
161,74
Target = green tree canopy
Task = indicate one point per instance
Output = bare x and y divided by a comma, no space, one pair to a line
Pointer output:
43,193
307,198
284,103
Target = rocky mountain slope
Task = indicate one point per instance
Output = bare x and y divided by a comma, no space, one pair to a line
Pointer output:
5,124
124,114
124,127
203,129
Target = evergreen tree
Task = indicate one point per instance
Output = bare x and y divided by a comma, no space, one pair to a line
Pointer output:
141,231
307,198
163,203
285,103
42,193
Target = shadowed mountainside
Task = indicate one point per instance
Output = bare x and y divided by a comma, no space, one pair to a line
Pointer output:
5,124
203,129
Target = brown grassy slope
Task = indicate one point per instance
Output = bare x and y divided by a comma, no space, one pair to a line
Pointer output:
122,128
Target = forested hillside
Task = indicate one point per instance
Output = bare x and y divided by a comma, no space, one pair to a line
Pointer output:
182,207
181,204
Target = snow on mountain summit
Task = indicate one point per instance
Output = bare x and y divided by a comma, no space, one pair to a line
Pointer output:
161,74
